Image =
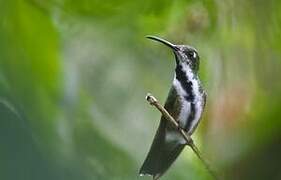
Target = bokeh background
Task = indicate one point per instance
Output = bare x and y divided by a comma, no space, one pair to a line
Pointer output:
74,74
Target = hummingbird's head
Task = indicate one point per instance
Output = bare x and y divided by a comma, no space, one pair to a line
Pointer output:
185,55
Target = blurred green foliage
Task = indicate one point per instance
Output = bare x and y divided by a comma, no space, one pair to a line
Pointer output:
73,76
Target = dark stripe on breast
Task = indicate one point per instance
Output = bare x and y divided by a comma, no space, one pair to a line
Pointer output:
191,117
185,83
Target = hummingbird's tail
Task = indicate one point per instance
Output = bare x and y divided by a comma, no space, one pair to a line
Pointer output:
161,154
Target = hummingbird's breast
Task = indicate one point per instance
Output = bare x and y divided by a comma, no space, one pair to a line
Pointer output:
191,94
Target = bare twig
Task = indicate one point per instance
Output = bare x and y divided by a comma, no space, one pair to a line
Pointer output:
153,101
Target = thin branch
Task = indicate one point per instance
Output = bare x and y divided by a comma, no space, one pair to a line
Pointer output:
153,101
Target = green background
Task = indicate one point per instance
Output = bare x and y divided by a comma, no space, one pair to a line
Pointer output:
74,74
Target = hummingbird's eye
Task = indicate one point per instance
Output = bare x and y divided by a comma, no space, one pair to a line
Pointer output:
192,55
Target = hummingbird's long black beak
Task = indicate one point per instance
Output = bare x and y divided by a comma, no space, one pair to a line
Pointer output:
167,43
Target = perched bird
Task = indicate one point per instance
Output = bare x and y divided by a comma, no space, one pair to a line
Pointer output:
185,103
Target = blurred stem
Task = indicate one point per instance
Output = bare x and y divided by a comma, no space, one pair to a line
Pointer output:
154,102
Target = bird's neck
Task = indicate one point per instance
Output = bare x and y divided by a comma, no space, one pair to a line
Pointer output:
184,72
185,80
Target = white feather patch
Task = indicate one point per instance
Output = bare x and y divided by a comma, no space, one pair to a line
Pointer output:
198,98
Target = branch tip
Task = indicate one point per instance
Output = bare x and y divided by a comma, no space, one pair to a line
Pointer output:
151,99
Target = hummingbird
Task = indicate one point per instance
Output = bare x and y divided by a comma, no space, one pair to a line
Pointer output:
185,103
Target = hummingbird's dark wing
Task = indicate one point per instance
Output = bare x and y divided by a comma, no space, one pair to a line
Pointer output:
163,152
205,99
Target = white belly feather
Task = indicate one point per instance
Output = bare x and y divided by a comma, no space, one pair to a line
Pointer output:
186,106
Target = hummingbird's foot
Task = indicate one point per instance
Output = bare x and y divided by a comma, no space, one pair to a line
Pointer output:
189,141
179,128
